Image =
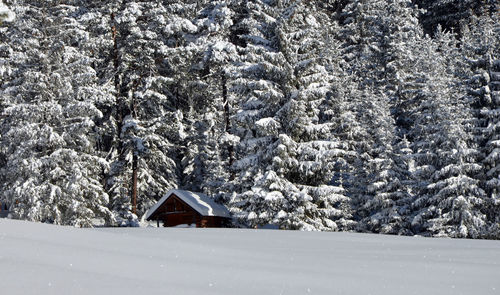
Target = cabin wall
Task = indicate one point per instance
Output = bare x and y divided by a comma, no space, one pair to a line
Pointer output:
174,212
180,218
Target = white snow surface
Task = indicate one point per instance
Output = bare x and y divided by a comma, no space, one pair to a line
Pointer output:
202,203
46,259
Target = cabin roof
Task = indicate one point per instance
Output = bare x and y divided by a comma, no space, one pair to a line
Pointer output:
200,202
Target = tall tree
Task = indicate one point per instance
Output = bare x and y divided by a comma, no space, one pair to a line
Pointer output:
148,121
448,14
255,85
291,151
449,204
373,35
52,172
480,75
211,108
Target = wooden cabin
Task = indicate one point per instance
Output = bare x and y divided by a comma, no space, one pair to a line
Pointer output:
181,207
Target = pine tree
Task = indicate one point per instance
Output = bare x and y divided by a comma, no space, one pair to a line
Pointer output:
312,151
148,119
288,152
373,35
479,73
211,144
255,85
448,14
52,172
450,199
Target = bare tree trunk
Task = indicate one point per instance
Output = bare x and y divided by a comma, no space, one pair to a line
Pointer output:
134,183
227,116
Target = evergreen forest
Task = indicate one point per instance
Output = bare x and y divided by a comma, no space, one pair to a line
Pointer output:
375,116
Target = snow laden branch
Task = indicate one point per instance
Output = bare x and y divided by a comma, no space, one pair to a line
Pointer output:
6,15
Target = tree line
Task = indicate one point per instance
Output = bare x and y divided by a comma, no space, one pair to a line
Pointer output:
373,116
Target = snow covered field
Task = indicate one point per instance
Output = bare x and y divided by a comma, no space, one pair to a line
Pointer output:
46,259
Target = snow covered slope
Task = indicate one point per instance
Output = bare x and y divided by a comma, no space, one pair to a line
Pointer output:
45,259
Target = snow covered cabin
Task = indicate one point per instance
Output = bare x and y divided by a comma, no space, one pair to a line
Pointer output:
179,207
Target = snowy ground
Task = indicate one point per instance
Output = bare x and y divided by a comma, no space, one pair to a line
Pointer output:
45,259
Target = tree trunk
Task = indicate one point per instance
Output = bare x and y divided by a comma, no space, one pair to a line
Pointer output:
227,116
134,183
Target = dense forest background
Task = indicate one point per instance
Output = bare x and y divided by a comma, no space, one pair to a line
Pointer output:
374,116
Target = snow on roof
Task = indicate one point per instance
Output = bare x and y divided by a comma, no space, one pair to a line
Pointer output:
202,203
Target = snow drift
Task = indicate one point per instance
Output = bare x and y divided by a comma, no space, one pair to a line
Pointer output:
46,259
